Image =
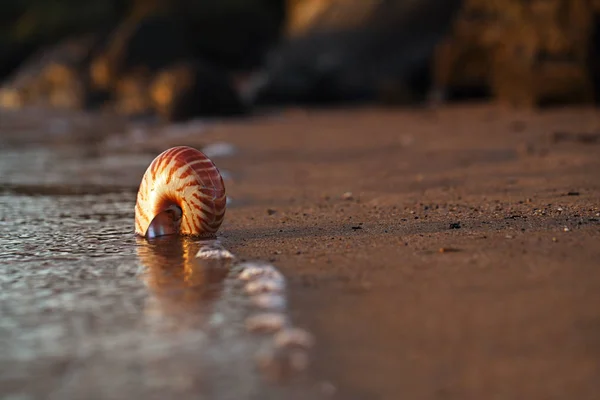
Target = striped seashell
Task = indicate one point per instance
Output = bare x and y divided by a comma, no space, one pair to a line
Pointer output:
182,192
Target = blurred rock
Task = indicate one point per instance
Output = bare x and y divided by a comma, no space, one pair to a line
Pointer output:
594,50
526,53
12,54
138,42
315,16
146,43
462,61
52,77
233,34
46,22
131,95
354,50
150,61
192,89
27,26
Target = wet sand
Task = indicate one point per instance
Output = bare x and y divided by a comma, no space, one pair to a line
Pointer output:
434,254
506,305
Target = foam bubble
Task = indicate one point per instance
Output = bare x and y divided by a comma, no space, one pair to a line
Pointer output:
214,251
270,301
265,285
293,337
253,270
266,322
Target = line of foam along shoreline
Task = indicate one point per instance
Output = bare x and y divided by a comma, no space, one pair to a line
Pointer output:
284,352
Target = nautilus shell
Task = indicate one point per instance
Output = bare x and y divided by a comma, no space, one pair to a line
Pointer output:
182,192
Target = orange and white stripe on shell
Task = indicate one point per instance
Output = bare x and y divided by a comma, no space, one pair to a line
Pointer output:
184,177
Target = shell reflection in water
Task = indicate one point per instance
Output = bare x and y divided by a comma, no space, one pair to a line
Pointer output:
181,284
182,192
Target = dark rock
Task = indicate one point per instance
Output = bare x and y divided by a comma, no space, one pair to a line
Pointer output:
29,28
41,23
354,50
12,54
191,89
121,72
233,34
462,61
159,33
142,39
145,43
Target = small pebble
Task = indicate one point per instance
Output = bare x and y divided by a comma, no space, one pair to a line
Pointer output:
266,322
347,196
448,250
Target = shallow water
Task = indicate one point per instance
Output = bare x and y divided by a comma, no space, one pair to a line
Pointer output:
90,311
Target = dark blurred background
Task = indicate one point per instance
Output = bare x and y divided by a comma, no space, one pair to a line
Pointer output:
179,59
